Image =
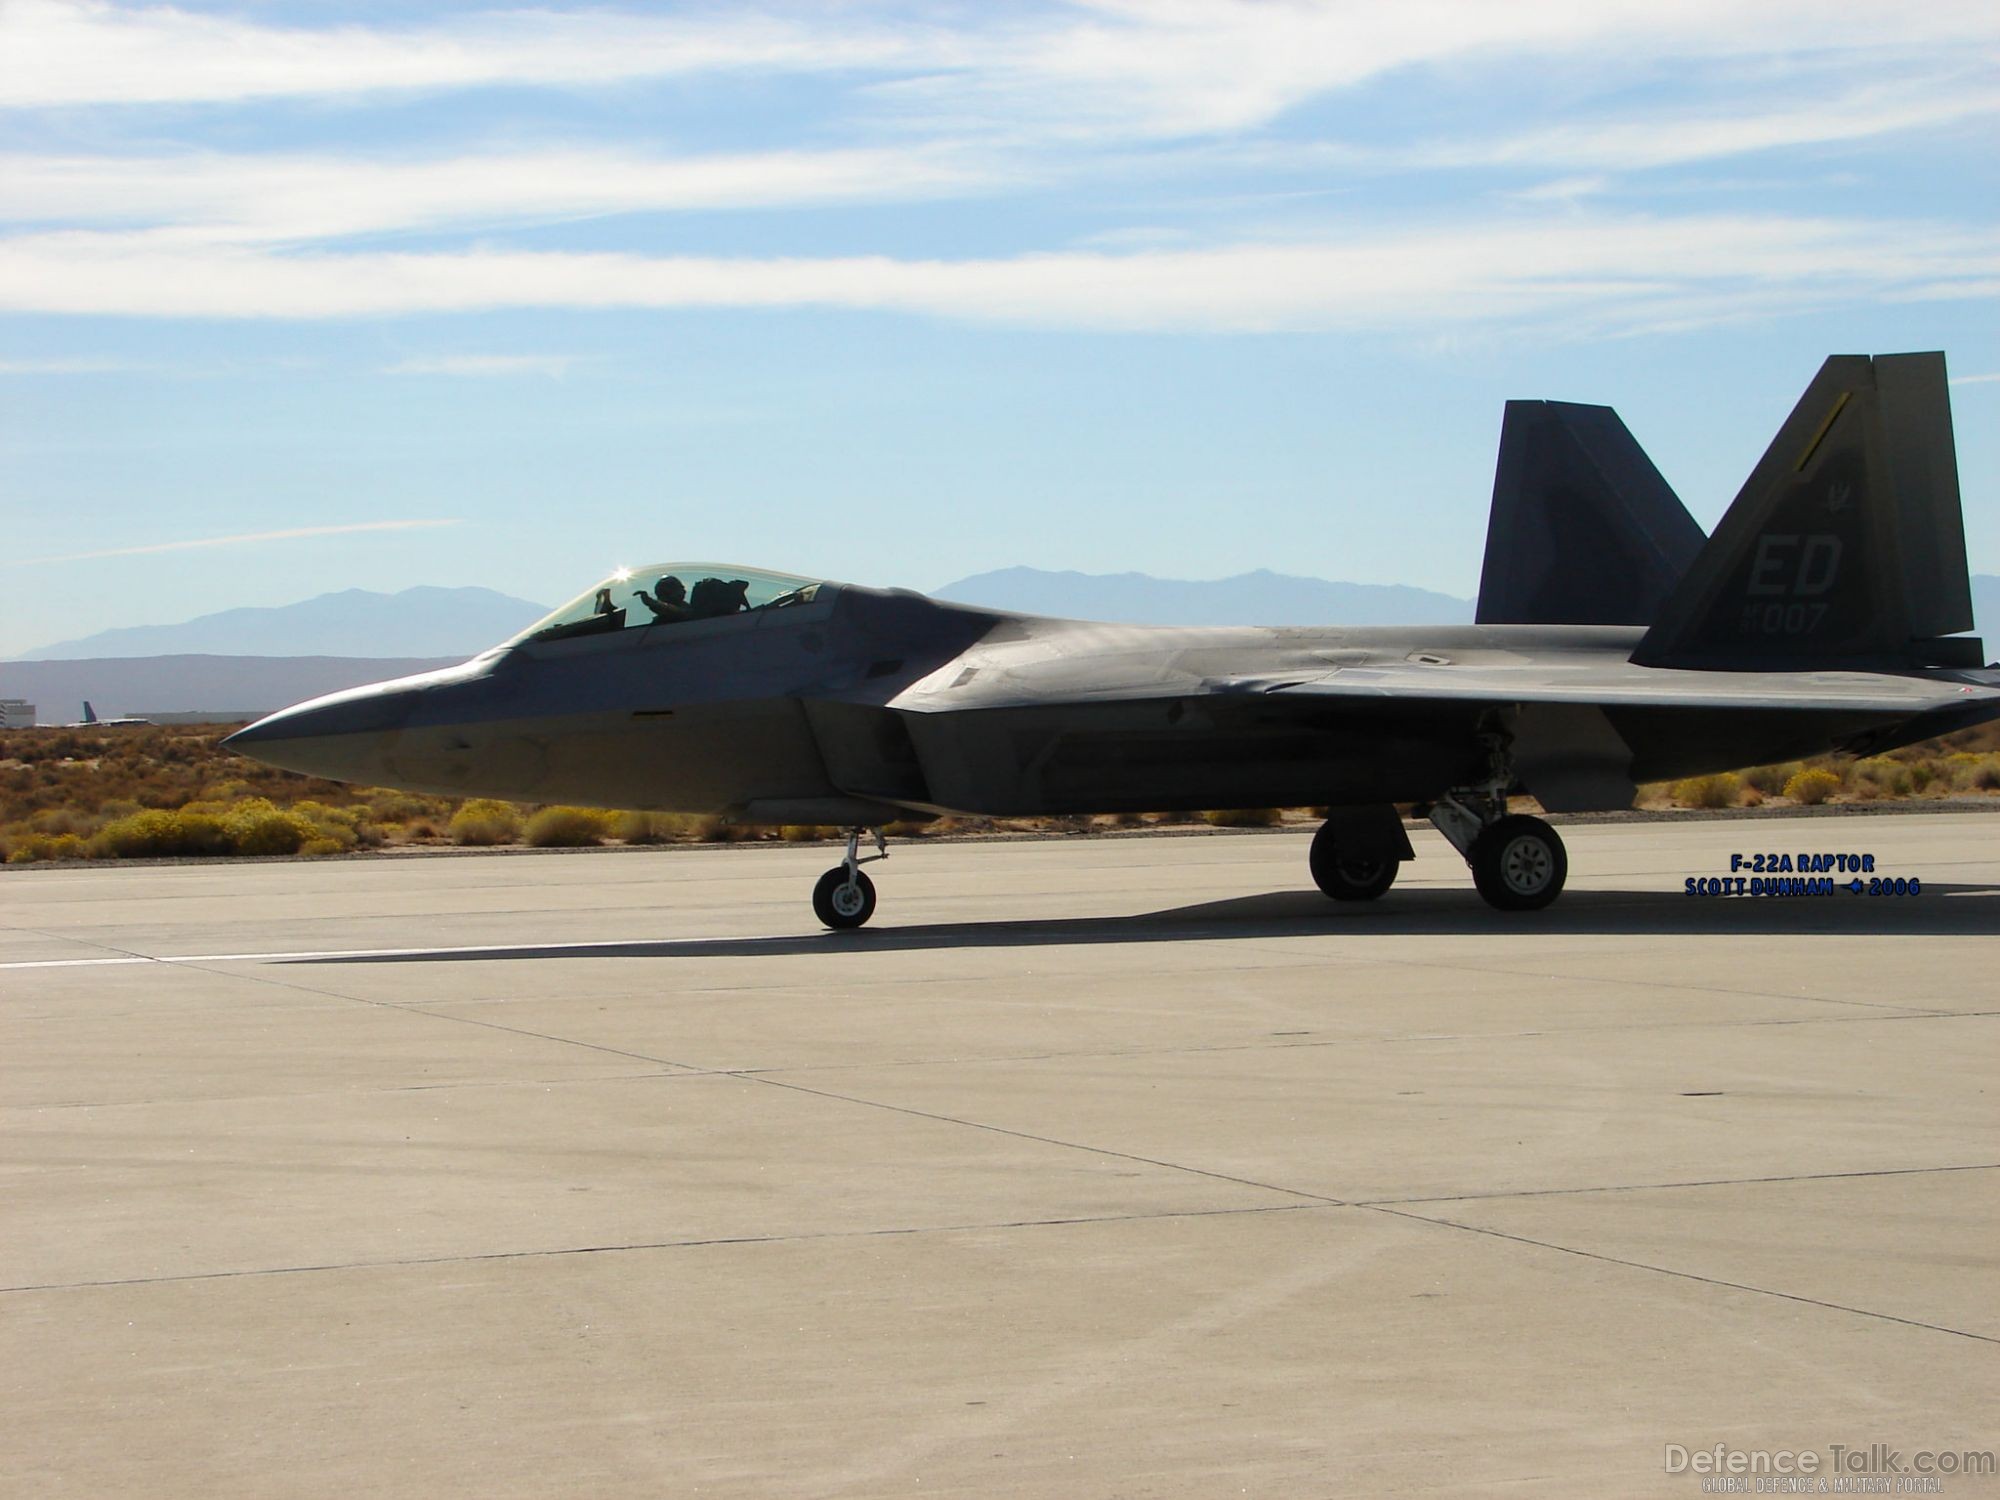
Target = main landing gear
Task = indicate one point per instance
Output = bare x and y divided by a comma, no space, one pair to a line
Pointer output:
1518,863
845,897
1356,852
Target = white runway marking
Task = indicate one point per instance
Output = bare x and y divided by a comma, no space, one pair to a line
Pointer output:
478,948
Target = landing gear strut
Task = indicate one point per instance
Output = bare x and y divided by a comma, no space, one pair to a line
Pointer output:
1518,862
844,896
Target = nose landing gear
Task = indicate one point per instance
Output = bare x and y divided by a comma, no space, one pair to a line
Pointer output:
845,897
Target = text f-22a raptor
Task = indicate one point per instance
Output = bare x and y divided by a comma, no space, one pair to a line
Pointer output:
1614,644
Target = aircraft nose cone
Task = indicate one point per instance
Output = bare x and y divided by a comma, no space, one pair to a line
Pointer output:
340,736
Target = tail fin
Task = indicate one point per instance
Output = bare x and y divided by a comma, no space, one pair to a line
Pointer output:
1583,531
89,713
1845,547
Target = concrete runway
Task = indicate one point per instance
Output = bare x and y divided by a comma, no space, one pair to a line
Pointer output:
1100,1167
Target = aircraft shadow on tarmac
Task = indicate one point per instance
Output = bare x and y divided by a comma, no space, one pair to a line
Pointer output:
1943,910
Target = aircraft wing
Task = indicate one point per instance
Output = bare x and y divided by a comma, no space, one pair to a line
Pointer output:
1867,692
1053,683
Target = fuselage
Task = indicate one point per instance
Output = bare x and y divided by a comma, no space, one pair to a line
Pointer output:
854,705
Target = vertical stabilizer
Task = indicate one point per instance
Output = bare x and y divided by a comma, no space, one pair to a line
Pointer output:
1923,469
1584,530
1845,547
89,713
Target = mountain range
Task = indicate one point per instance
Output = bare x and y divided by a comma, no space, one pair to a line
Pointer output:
236,688
461,622
1259,598
354,622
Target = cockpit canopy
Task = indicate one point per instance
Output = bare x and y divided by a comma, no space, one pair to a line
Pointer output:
669,594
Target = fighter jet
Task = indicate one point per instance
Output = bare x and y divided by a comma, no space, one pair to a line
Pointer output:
1614,644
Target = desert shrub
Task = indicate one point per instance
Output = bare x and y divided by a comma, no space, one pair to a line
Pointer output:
323,846
1720,790
1881,777
703,828
1811,788
400,807
1128,820
345,827
484,821
641,828
420,829
806,833
1921,774
1986,778
339,836
162,833
1770,780
1243,817
59,820
255,826
568,827
32,847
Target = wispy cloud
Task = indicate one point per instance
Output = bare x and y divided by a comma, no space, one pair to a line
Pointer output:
1599,272
963,100
291,534
287,196
1975,379
553,366
65,52
1168,68
1840,112
76,365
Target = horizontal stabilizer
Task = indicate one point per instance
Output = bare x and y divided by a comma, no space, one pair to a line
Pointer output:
1845,547
1584,530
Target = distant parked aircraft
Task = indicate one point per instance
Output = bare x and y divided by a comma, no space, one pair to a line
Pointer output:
91,721
1614,644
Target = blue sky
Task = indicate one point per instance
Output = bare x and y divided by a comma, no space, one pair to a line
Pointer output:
303,297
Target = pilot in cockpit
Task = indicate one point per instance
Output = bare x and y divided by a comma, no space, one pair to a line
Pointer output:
718,596
668,601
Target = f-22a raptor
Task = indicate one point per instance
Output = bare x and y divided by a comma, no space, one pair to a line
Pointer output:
1614,644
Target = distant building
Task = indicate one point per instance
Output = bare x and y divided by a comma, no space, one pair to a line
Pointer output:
16,713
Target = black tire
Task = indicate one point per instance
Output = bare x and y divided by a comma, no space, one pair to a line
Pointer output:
838,906
1349,878
1519,863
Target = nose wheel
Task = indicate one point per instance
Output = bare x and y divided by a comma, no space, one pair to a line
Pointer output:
845,896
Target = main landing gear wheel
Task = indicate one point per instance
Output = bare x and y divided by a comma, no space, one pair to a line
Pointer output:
844,896
1350,877
1518,863
842,899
